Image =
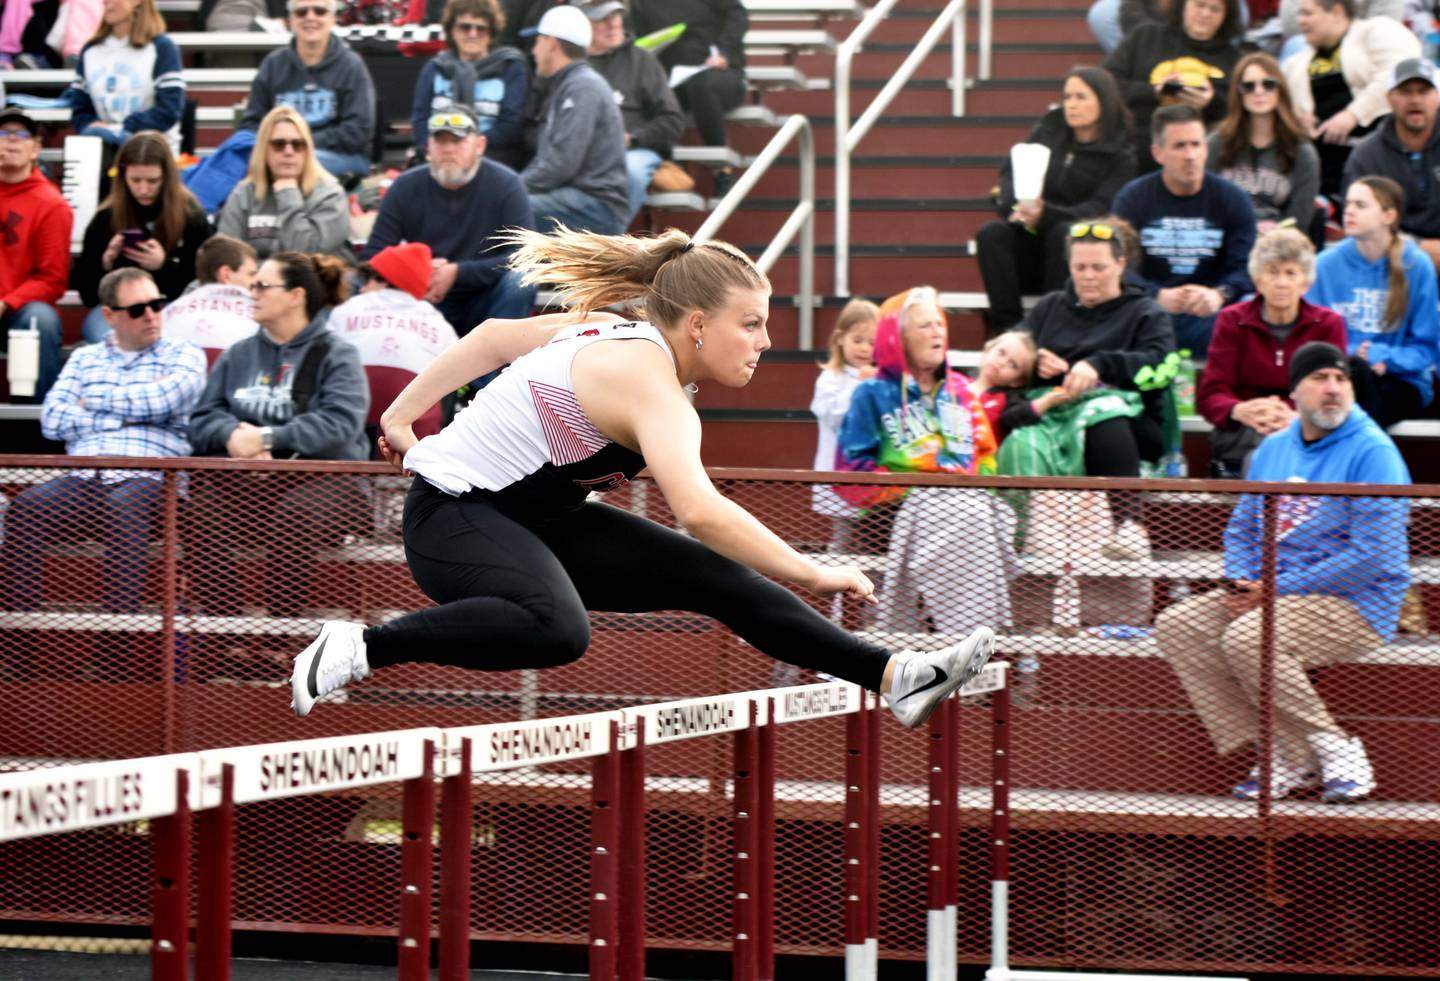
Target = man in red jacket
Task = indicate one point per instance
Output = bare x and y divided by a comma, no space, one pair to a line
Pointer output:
35,226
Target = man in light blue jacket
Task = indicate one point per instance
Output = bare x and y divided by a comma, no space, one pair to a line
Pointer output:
1342,568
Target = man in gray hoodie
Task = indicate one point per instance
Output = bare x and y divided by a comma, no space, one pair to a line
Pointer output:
577,177
325,82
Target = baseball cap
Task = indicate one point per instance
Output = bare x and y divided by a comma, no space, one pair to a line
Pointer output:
1412,68
564,24
455,119
602,8
14,114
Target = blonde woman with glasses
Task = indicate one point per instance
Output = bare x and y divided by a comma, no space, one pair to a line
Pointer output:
288,202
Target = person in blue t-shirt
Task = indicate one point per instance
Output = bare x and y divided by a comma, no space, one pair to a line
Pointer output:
1341,570
1196,229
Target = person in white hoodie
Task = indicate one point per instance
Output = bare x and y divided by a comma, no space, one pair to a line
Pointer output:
220,311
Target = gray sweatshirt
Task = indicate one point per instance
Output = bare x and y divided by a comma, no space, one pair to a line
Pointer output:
336,97
581,140
1274,193
251,383
288,220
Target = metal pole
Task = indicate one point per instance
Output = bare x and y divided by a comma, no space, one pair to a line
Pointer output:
957,61
604,867
170,888
217,883
417,863
987,37
1000,831
765,791
1265,743
807,237
169,602
456,831
744,877
632,858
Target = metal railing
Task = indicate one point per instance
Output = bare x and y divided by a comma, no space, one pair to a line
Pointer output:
802,219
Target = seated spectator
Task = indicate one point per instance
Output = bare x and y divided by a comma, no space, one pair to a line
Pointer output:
1196,229
318,76
128,77
577,177
220,311
1260,148
492,81
129,395
1090,160
1244,391
396,332
150,220
1007,369
288,202
35,249
237,15
1340,78
1384,287
1187,61
1111,20
458,204
851,361
916,416
1406,149
652,118
714,38
1093,342
1342,565
1294,39
292,390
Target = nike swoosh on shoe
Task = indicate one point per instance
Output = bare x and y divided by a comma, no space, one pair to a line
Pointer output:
940,678
315,668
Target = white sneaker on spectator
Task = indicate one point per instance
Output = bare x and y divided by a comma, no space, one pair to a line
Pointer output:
924,679
336,658
1130,544
1346,774
1285,778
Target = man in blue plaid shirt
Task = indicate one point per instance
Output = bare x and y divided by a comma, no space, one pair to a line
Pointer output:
128,395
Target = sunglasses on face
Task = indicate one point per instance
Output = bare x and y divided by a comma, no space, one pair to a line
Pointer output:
472,28
280,145
303,12
137,310
1267,84
16,134
1093,230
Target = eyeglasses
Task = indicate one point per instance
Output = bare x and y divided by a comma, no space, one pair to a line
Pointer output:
257,286
456,121
472,28
279,145
1268,84
1098,230
16,134
137,310
303,12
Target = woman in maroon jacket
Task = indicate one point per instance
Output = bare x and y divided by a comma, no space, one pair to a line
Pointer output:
1244,392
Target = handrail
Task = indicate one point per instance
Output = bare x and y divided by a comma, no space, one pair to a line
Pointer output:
848,137
802,219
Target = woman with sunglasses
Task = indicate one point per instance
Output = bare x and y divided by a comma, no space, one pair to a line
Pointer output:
288,202
150,220
491,80
1090,159
1099,336
1261,147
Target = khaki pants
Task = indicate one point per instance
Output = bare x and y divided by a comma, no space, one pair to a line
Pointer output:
1218,661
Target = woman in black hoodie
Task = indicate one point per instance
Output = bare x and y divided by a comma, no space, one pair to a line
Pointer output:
1090,159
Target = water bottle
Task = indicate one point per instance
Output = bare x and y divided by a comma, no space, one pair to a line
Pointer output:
1185,386
22,365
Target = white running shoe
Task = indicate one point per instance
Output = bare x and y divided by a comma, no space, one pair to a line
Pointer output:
336,658
1130,544
1345,769
924,679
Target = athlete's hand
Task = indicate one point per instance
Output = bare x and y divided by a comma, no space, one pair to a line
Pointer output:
847,579
395,442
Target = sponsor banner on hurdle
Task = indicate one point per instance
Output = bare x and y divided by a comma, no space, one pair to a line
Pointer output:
801,702
312,766
91,795
688,718
510,745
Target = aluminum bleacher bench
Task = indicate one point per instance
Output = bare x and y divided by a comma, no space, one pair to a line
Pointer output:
788,43
802,9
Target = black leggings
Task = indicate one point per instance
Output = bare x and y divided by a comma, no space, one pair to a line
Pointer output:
1385,398
515,595
1114,448
709,96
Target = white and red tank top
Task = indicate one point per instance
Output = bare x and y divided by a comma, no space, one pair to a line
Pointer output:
525,438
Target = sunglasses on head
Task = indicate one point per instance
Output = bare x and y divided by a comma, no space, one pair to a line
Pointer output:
137,310
311,11
1088,229
1268,84
451,121
279,144
472,28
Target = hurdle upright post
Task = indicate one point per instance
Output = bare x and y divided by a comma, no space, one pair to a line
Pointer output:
765,868
937,949
604,862
1000,831
952,837
872,826
417,851
632,858
857,778
217,883
744,875
456,832
170,888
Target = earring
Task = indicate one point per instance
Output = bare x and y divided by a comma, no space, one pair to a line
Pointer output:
699,343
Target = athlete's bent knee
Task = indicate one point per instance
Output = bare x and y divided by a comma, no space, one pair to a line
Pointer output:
561,640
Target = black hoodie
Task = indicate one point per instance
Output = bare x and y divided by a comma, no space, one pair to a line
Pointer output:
720,24
653,119
1145,49
1082,178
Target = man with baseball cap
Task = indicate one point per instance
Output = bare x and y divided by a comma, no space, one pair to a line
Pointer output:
577,177
1342,567
1406,149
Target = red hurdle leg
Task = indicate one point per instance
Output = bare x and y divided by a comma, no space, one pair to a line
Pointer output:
632,858
170,888
417,850
456,829
765,900
872,825
217,883
604,861
745,876
856,842
937,845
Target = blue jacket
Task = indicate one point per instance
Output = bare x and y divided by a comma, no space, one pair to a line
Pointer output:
1357,290
1351,547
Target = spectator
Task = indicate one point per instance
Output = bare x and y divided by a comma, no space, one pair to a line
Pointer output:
326,83
651,116
237,15
1098,332
851,361
1261,148
1340,78
916,416
457,205
714,39
1007,368
128,77
129,395
1384,287
1187,61
35,249
577,177
1406,149
288,202
1341,569
1196,230
1364,9
396,332
492,81
1111,20
290,390
1244,391
220,311
1090,160
150,220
